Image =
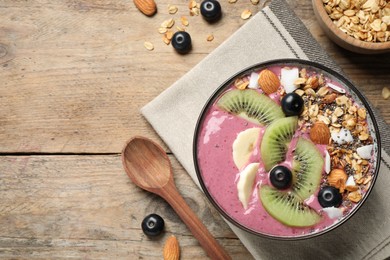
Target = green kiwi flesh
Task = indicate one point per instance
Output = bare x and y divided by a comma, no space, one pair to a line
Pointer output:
306,169
275,140
286,208
250,105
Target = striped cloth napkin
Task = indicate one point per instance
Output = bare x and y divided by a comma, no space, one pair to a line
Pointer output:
273,33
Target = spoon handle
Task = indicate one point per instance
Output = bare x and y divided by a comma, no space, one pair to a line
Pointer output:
200,232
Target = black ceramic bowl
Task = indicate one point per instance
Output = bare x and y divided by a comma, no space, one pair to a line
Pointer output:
224,201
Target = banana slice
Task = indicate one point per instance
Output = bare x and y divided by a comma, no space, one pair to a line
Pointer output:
245,183
243,146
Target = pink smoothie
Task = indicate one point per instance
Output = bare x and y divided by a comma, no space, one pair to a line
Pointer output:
220,175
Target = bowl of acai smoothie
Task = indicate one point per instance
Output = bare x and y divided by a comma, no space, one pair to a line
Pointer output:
287,149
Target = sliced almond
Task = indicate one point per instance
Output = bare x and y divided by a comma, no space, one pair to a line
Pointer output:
329,98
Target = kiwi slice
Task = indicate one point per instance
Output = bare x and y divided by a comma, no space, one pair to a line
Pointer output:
306,169
250,105
276,139
286,208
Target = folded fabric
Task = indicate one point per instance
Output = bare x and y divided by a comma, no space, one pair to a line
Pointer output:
275,32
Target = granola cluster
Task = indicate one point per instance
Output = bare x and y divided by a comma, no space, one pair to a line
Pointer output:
366,20
336,110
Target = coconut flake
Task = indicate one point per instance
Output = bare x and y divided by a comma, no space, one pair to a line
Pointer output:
288,77
253,80
350,181
365,151
333,212
327,162
342,137
337,88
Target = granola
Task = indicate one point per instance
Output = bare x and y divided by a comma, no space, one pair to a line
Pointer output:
366,20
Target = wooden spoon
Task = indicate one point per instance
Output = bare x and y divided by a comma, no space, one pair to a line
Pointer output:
148,166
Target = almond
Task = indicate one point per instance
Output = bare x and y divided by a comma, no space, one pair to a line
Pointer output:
147,7
268,81
320,133
171,249
329,98
337,178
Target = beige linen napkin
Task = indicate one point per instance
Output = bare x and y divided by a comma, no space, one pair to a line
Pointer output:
275,32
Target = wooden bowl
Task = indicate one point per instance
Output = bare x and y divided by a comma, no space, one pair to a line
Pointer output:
343,39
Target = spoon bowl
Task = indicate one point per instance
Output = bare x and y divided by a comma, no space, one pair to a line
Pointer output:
148,166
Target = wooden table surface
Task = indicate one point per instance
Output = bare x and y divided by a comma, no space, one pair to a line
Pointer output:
73,77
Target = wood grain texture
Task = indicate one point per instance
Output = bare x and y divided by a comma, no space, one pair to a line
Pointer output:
73,76
86,207
75,73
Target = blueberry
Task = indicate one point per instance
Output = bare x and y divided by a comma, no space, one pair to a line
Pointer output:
181,41
152,225
210,10
280,177
329,197
292,104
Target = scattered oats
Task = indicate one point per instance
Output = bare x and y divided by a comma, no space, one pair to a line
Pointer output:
194,11
180,28
255,2
300,92
246,14
210,37
385,92
192,4
232,1
149,46
194,8
366,20
322,91
168,23
172,9
300,81
362,113
355,196
166,40
184,21
169,35
363,136
338,112
162,30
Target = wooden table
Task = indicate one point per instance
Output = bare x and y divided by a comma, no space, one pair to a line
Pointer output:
73,77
